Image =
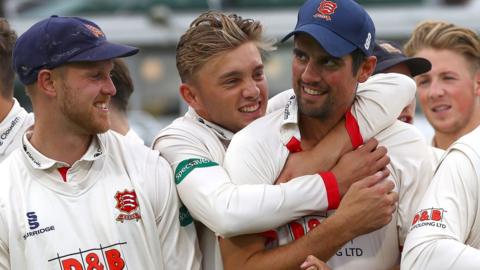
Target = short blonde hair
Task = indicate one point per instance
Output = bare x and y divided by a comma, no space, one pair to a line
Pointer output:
443,35
213,33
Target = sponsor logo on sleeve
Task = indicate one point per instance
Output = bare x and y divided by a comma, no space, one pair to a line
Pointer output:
432,217
187,166
34,226
105,257
127,203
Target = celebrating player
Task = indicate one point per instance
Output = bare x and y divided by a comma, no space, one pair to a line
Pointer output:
220,65
77,196
449,93
445,230
333,47
14,120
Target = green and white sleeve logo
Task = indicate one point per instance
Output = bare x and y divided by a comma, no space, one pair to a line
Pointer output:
188,165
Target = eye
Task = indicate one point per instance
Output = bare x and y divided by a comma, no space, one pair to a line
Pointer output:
300,56
258,75
422,82
330,62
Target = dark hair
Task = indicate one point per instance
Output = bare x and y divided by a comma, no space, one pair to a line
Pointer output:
123,83
358,57
7,42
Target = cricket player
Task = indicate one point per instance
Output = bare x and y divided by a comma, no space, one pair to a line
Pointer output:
77,196
224,95
449,93
333,47
14,120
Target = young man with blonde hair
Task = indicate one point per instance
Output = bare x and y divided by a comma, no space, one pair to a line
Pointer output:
449,93
219,60
445,231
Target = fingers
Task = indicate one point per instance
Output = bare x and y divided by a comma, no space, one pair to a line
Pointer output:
369,146
372,179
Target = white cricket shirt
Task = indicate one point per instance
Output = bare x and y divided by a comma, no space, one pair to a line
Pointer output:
445,231
118,209
12,129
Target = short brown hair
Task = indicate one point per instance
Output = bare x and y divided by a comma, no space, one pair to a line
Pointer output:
213,33
443,35
7,42
123,83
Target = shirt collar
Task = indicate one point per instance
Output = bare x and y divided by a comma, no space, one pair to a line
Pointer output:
37,160
221,132
11,125
289,127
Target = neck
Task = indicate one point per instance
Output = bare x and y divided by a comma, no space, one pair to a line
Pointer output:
5,107
119,122
313,130
58,142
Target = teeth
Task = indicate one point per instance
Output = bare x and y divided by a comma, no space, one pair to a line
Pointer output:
311,91
250,108
102,106
440,108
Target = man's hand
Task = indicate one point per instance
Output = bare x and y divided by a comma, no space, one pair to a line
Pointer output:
313,263
360,163
369,204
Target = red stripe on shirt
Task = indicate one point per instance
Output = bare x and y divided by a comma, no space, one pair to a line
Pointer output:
333,194
353,129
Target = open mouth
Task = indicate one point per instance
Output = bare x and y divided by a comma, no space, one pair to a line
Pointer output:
441,108
101,105
250,108
313,92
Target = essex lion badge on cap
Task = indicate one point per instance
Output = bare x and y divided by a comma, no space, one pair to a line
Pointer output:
325,9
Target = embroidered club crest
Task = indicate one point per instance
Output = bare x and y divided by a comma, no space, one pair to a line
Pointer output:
94,30
325,9
127,203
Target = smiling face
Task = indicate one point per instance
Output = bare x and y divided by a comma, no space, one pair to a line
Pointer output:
84,95
230,89
448,93
325,86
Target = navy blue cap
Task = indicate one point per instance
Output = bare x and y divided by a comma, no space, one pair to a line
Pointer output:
58,40
339,26
390,54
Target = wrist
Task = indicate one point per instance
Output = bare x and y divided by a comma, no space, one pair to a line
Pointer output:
331,186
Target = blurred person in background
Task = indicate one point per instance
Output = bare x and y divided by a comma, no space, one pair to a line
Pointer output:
14,120
449,92
118,111
390,58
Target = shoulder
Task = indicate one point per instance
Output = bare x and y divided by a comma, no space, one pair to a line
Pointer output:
260,129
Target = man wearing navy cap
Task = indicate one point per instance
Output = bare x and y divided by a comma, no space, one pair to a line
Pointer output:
390,58
75,195
333,52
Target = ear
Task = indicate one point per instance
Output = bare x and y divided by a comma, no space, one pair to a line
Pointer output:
367,68
476,82
46,82
190,94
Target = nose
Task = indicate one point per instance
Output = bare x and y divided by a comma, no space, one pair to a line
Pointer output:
436,90
251,90
311,73
109,87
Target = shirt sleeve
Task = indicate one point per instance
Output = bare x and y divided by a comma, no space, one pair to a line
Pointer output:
175,227
445,219
279,100
4,251
380,100
230,209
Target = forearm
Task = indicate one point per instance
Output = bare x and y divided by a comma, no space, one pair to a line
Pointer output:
323,242
229,209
